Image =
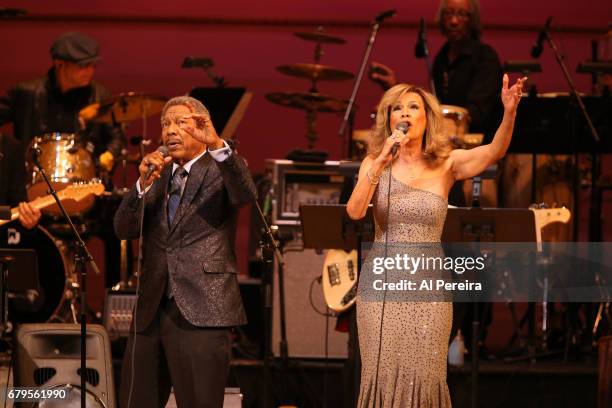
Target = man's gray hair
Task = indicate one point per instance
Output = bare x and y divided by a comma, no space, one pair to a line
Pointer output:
192,103
475,26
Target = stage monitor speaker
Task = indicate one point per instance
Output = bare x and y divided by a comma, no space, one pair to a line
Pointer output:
305,327
48,356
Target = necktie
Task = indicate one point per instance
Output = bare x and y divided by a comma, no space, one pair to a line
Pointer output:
174,193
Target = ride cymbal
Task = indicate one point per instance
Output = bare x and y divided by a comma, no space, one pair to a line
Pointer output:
308,101
320,38
315,72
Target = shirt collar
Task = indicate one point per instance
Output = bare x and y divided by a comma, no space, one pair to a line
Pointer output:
187,166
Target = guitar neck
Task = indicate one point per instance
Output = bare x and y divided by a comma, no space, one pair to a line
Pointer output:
39,203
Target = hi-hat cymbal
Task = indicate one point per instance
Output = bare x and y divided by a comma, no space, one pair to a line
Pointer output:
308,101
320,38
122,108
315,72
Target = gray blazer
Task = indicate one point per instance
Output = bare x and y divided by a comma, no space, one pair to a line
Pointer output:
197,250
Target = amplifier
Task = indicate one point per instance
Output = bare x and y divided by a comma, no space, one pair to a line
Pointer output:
297,183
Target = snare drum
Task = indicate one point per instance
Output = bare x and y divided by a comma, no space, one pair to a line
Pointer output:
51,274
65,161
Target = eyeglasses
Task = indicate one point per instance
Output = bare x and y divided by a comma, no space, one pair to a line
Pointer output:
461,14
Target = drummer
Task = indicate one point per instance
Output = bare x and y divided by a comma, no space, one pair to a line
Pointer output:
52,103
466,72
12,181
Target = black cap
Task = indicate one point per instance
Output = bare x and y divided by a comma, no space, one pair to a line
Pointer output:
75,47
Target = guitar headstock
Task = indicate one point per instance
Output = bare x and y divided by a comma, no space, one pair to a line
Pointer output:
545,216
81,190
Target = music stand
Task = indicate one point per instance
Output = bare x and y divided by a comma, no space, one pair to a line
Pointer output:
489,225
329,227
226,106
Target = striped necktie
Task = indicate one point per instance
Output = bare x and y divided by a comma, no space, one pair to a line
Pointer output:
174,193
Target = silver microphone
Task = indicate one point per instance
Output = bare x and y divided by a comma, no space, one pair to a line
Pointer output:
402,127
164,152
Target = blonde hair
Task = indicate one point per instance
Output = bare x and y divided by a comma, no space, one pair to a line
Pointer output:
435,146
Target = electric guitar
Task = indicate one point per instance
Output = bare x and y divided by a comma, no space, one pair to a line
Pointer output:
340,267
74,192
340,279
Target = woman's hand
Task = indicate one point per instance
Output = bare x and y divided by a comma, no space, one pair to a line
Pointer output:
384,158
511,97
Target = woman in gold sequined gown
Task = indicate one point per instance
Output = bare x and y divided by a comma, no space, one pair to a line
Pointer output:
404,365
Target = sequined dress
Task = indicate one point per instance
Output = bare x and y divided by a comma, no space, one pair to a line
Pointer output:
412,367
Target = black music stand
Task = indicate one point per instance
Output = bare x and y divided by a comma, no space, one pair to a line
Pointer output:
490,225
329,227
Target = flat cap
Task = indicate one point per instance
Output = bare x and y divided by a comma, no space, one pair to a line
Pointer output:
75,47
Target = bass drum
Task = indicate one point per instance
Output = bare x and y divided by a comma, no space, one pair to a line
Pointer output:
51,273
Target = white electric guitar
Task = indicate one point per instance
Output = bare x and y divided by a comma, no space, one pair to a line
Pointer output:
340,267
74,192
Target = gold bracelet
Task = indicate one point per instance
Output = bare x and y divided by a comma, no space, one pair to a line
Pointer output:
373,179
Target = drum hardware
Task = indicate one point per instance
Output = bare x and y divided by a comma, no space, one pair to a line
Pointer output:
312,102
206,64
127,281
67,162
315,72
320,37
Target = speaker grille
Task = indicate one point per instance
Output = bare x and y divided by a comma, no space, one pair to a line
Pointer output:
43,374
91,376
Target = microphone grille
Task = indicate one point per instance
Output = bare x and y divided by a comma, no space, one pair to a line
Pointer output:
163,150
403,127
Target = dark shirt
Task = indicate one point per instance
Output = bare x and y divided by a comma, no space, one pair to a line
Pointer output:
473,81
12,172
63,107
39,106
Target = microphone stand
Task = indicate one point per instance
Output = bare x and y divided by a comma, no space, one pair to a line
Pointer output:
366,56
421,51
273,245
82,257
595,210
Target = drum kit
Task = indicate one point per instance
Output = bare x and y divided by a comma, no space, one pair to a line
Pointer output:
312,101
71,169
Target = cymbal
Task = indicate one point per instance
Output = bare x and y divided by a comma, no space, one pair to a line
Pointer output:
308,101
315,72
124,107
320,38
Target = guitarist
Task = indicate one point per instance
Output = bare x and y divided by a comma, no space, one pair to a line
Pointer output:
13,179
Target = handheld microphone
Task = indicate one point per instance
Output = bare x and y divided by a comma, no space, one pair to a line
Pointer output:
164,152
536,51
402,127
420,49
